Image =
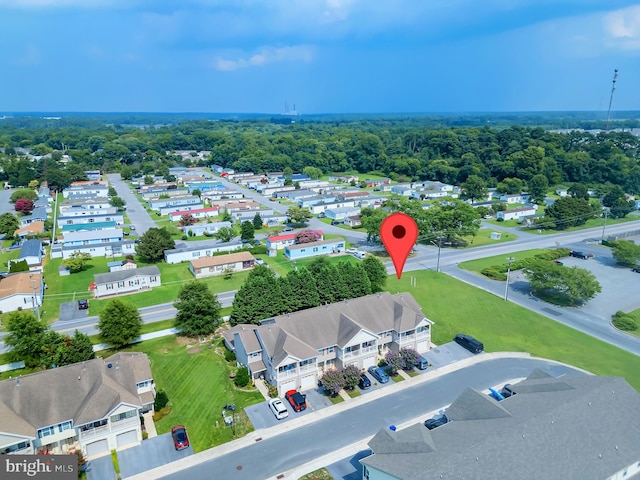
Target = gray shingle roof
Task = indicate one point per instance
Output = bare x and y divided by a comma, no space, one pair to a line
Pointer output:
120,275
572,427
31,248
81,392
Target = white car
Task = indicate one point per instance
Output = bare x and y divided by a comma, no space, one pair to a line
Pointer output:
259,261
278,408
352,251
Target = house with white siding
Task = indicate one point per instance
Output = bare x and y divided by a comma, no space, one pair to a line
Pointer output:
185,253
92,237
21,291
197,213
108,249
93,190
213,195
80,211
177,201
131,280
91,407
342,213
93,204
201,228
90,217
313,249
517,213
169,209
174,192
323,207
278,242
31,252
292,351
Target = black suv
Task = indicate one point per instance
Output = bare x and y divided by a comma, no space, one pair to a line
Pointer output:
468,342
432,423
83,304
364,382
582,255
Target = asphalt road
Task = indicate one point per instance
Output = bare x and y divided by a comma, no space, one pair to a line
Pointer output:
5,205
291,448
137,214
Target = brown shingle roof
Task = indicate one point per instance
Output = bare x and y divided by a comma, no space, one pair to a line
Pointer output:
33,227
208,261
22,282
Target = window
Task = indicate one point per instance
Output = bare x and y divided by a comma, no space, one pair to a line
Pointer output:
195,254
120,284
124,416
109,286
91,220
315,249
146,383
91,426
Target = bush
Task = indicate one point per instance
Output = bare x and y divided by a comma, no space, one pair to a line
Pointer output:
161,400
273,391
161,413
624,321
494,272
145,435
184,237
242,377
230,356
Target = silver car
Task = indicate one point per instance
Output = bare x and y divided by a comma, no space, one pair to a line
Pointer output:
277,407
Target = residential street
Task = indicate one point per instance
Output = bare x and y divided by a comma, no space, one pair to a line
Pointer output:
137,214
297,443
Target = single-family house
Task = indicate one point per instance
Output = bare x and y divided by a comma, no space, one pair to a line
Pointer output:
93,407
554,417
315,200
107,249
92,237
31,252
81,211
175,192
236,176
177,201
272,191
38,214
126,264
242,214
34,228
278,242
514,198
213,195
343,178
216,168
93,203
204,228
295,195
198,213
92,175
291,351
132,280
316,185
91,190
340,214
86,183
324,206
159,187
274,219
517,213
185,253
90,217
169,209
353,221
88,226
21,291
203,185
313,249
240,205
378,182
402,190
217,265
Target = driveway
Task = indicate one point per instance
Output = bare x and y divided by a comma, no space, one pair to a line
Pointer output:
151,453
137,214
70,311
101,469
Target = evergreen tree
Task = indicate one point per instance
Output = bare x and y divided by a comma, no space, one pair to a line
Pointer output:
259,297
153,244
257,222
247,231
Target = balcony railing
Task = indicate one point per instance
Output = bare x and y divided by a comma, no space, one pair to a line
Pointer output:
288,373
312,367
358,353
94,432
127,423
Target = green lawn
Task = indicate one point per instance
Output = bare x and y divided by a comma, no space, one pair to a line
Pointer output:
504,326
6,256
321,474
479,264
198,386
281,265
483,238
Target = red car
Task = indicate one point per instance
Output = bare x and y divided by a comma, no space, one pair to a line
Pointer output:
180,438
297,400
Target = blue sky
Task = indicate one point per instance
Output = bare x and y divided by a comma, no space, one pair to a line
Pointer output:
324,56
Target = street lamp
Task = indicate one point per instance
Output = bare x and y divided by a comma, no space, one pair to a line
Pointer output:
437,245
506,287
604,226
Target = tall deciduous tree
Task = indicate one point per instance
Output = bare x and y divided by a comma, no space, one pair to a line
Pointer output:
298,215
153,244
538,187
25,338
225,234
119,324
76,261
474,188
117,202
247,231
626,252
198,310
23,193
8,224
24,205
575,284
567,212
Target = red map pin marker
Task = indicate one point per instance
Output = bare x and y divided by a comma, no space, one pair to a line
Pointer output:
399,233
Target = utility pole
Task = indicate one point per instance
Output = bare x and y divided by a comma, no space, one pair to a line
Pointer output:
613,89
606,213
506,287
437,245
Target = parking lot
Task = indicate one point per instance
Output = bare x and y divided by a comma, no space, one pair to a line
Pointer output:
70,311
151,453
619,284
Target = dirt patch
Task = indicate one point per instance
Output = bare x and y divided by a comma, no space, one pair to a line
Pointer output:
193,350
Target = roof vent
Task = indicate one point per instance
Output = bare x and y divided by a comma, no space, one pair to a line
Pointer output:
109,365
599,455
18,384
79,377
117,366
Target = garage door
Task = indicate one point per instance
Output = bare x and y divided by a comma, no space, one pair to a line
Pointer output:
369,362
127,438
308,382
286,386
96,448
423,346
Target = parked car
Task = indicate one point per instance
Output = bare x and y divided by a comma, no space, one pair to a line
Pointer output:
259,261
360,254
468,342
637,270
180,437
297,400
132,227
83,304
432,423
507,391
364,382
582,255
278,408
378,374
421,362
351,250
287,229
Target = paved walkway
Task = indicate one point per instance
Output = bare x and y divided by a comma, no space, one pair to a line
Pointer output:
149,425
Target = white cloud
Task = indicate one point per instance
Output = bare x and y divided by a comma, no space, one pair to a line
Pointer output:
623,28
264,56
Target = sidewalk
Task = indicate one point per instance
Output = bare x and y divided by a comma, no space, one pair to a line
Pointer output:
250,438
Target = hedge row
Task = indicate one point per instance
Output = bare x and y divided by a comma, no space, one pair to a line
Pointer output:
499,272
625,321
